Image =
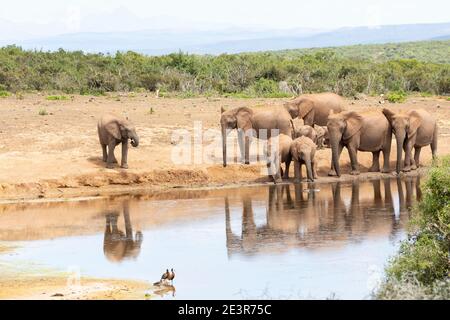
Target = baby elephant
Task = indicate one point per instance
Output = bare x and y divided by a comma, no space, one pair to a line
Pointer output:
278,151
303,150
299,130
113,130
322,137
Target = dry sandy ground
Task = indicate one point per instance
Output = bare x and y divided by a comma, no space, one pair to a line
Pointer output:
31,282
58,155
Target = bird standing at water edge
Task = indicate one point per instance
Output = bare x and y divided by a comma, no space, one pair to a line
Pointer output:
171,276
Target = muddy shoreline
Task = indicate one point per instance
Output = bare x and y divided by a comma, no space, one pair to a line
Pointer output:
82,193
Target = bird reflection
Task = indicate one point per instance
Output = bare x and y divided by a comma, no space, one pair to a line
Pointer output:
296,216
119,245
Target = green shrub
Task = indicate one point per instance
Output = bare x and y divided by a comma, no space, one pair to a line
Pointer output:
372,69
42,112
423,259
4,94
56,98
396,96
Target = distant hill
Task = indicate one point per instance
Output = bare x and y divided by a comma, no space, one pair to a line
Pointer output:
429,51
234,40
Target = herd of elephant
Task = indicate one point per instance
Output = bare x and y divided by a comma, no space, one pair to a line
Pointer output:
297,129
307,122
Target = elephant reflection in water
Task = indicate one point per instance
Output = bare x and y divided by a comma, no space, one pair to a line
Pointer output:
117,245
320,219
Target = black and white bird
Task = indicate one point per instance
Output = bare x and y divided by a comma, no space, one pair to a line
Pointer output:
165,276
171,275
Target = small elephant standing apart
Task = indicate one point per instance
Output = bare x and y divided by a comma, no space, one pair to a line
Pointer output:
113,130
414,128
315,108
278,151
303,150
359,132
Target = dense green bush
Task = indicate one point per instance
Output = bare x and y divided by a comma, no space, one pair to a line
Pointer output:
264,74
396,96
423,261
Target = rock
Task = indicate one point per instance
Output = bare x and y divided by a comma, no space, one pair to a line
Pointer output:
438,106
58,295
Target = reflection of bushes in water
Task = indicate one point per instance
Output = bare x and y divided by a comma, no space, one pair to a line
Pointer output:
262,74
422,267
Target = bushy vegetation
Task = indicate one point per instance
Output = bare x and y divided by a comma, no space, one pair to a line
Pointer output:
429,51
55,98
42,112
263,74
422,267
396,96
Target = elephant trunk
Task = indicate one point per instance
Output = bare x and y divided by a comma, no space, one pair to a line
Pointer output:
134,139
335,141
224,145
400,137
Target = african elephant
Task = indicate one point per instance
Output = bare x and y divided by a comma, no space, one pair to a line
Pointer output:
278,152
314,108
249,122
359,132
322,136
414,128
113,130
303,150
299,130
118,245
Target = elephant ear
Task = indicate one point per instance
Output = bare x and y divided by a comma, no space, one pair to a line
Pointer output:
304,107
389,114
414,123
243,118
113,129
354,124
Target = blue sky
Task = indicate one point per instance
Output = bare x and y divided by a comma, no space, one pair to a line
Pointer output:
70,15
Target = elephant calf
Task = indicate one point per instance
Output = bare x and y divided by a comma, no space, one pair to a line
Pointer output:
278,152
322,136
303,150
299,130
113,130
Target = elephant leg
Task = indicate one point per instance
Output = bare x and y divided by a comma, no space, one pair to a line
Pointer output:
241,144
286,171
105,153
386,158
124,160
375,162
434,144
408,151
297,172
332,171
353,152
247,149
416,162
111,158
314,169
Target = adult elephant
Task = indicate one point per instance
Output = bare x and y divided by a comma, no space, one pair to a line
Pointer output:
414,128
112,131
359,132
249,122
315,108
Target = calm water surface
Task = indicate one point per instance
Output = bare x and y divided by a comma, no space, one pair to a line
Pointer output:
288,241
